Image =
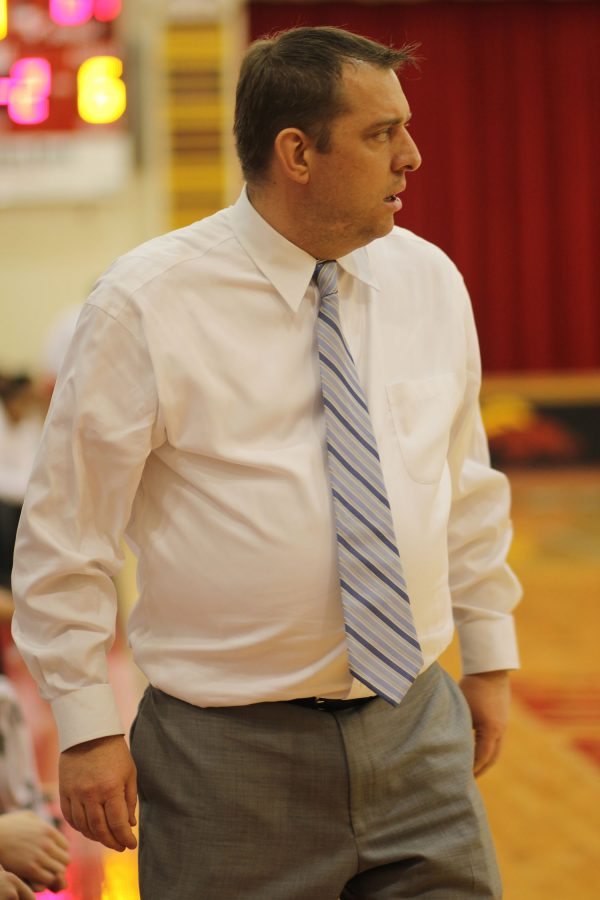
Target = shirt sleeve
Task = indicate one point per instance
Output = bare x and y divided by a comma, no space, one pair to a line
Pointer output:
98,434
484,589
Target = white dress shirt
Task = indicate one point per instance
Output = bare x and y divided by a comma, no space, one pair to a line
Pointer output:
189,415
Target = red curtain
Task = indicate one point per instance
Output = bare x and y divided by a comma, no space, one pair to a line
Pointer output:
507,117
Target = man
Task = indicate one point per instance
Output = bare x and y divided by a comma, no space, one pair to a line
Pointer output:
296,453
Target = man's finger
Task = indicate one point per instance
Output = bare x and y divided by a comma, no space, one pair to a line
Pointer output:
65,808
484,746
117,816
487,750
131,798
80,821
101,830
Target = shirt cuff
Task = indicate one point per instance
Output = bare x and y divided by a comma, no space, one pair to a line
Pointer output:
86,714
488,645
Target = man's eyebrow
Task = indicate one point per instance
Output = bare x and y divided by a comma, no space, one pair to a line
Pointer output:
397,120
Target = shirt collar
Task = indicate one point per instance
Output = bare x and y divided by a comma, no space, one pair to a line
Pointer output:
288,268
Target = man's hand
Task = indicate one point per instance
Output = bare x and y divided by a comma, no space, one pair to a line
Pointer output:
12,888
33,850
488,696
98,791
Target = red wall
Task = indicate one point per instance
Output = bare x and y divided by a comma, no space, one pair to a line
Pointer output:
507,117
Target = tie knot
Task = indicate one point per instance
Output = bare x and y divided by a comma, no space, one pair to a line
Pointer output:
325,276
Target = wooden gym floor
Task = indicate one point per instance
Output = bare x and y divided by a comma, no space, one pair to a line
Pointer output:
543,797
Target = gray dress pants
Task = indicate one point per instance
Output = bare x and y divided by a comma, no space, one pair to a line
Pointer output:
275,801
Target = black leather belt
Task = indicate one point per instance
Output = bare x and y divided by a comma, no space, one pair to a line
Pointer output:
326,705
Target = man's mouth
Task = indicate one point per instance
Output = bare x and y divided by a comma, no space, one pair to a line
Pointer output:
394,202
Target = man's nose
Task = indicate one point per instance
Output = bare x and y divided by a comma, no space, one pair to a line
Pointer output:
408,157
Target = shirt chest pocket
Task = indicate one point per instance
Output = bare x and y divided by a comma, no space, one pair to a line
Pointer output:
423,411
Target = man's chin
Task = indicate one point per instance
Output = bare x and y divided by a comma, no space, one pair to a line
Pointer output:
384,228
356,241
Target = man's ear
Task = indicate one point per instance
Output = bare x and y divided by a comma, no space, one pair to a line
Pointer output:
290,150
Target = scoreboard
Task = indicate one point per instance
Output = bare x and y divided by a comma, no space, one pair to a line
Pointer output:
63,100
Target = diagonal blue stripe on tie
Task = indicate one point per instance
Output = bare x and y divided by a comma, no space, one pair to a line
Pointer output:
365,521
327,362
333,325
354,471
344,420
372,567
376,652
380,615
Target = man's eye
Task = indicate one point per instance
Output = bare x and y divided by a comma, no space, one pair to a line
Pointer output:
383,135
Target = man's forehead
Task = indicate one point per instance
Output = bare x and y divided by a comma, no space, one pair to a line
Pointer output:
363,83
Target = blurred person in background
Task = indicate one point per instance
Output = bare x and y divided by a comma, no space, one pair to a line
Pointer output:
19,784
20,430
298,738
30,846
34,850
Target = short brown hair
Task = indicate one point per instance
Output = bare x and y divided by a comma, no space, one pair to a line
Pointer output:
291,80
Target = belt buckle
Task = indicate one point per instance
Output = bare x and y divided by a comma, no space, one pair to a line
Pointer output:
321,703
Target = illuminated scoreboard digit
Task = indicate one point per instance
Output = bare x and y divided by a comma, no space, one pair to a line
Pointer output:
61,81
61,66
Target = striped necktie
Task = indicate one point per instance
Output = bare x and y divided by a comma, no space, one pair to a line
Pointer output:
383,648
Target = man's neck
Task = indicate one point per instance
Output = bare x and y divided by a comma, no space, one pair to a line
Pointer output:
294,220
